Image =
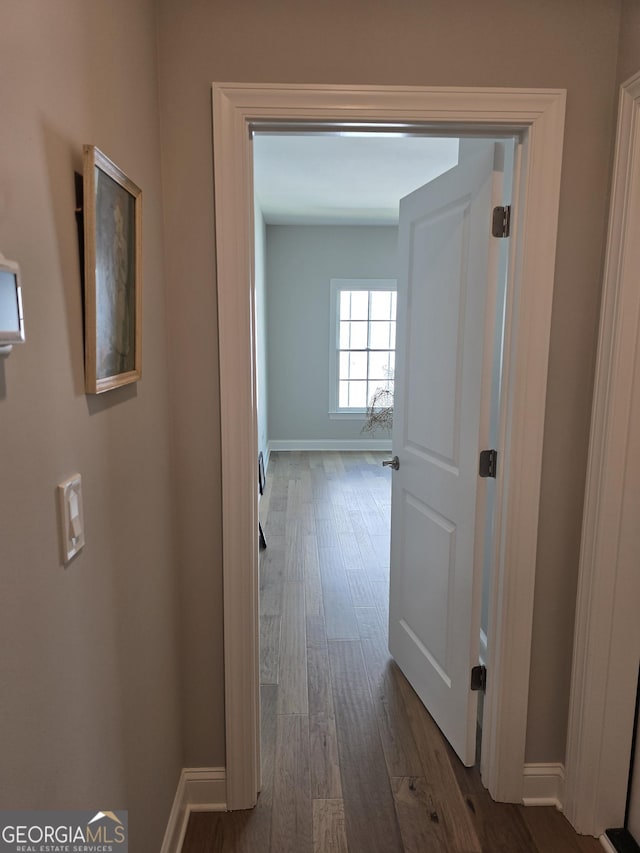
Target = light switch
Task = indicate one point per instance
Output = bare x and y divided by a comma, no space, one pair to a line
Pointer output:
71,517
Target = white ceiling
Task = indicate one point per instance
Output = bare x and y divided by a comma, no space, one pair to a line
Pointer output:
319,179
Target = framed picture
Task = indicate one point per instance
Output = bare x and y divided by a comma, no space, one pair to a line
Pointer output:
112,206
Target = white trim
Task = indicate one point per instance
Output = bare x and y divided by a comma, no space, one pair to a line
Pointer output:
543,785
537,117
331,444
177,823
200,789
205,788
607,634
608,846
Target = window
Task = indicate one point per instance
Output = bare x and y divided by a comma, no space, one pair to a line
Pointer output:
363,342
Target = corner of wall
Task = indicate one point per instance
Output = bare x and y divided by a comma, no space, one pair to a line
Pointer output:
543,785
200,789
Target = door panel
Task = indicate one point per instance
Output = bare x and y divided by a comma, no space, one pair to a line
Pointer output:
443,296
426,620
438,243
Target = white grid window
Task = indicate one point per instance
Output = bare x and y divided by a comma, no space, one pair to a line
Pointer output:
364,312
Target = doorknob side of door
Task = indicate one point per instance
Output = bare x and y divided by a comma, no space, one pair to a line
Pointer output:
391,463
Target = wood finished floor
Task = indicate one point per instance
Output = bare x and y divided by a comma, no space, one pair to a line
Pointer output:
351,760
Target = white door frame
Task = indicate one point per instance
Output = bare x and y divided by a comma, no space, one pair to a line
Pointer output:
607,633
537,116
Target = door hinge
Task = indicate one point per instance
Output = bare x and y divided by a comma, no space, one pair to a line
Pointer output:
501,221
488,466
479,678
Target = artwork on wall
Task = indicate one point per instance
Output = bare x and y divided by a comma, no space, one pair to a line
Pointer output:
113,274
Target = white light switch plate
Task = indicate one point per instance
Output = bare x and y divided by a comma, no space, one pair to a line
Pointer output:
71,517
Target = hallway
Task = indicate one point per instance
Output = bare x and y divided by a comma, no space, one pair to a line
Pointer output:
351,761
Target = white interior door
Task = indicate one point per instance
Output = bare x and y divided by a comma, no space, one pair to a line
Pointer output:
443,375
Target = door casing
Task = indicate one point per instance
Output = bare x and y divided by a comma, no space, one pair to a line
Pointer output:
537,118
607,631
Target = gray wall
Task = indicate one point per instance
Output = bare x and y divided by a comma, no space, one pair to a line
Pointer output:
90,693
517,43
301,261
260,272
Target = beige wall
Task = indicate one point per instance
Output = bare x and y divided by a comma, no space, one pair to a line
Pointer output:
570,44
89,696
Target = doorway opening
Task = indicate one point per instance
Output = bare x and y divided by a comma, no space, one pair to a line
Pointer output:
317,328
536,118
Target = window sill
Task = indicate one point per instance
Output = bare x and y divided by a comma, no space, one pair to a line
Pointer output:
347,416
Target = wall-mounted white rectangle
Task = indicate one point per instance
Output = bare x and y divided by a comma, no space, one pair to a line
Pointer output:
11,316
71,517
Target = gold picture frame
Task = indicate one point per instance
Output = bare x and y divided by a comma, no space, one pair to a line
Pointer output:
112,206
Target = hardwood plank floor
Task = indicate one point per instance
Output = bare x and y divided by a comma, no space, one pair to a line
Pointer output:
292,666
292,809
329,834
339,616
370,818
351,760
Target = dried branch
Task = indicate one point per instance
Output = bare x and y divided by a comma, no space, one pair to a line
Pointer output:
380,412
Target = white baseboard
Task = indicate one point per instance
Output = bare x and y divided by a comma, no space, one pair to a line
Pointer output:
200,789
543,785
608,846
331,444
